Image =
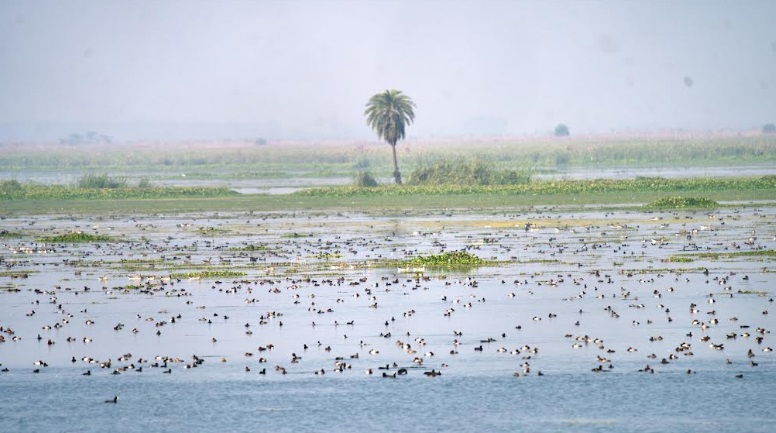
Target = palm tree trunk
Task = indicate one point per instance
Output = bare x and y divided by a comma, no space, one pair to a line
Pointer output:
396,173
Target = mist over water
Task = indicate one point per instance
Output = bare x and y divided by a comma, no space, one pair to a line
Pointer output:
305,69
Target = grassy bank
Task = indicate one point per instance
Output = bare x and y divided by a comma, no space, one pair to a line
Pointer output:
398,204
13,191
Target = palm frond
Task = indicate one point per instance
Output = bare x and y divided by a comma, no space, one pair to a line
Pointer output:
388,113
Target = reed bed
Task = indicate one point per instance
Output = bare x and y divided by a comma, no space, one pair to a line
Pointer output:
344,158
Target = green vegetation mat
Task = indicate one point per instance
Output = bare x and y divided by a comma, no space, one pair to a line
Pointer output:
75,237
596,186
447,260
682,202
13,190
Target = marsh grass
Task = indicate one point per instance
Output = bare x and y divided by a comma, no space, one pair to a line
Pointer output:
398,204
101,181
365,179
230,159
466,171
10,187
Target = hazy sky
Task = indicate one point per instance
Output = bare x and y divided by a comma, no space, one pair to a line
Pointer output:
305,68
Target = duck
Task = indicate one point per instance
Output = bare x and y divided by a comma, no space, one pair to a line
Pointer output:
115,399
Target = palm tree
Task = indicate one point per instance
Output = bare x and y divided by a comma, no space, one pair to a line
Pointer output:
388,113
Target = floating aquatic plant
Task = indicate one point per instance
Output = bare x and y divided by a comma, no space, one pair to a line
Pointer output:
445,260
682,202
75,237
4,234
678,259
734,254
209,274
251,247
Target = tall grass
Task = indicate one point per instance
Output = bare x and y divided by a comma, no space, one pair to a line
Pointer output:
365,179
99,181
466,171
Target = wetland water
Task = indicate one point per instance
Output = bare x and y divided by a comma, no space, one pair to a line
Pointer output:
589,321
297,181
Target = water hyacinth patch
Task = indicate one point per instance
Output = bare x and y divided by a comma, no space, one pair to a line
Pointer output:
444,260
683,202
75,237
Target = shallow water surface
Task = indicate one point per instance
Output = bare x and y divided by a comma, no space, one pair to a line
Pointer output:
592,321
